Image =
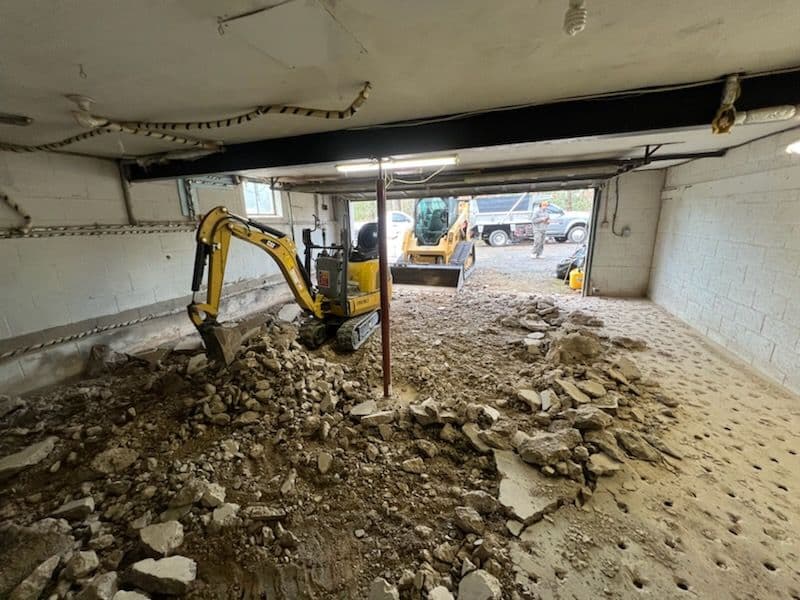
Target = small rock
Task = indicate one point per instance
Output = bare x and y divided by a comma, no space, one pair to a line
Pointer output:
588,418
213,495
472,431
479,585
363,409
592,388
191,492
80,565
468,520
531,398
628,369
288,485
601,465
426,413
196,363
163,538
28,457
440,593
382,590
124,595
34,584
548,448
413,465
427,447
378,418
481,501
550,401
260,512
636,446
101,587
114,460
324,462
571,390
289,312
10,404
224,516
605,441
171,576
77,510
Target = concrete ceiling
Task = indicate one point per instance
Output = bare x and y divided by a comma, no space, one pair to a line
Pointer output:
167,60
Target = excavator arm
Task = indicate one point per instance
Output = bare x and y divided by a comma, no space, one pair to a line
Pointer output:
213,242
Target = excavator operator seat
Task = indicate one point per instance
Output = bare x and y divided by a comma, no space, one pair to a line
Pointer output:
367,246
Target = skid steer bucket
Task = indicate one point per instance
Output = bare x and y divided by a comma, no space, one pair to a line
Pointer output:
451,276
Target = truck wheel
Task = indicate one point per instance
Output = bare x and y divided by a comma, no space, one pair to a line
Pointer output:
577,234
498,238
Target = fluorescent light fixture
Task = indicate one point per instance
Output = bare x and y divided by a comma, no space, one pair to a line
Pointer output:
390,164
793,148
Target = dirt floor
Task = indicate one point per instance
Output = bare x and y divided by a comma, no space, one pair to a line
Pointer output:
537,445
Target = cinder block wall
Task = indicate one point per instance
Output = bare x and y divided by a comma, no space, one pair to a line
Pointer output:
727,256
54,286
621,265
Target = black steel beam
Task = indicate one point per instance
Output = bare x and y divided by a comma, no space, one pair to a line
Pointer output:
634,112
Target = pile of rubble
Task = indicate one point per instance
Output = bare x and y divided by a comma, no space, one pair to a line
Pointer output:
282,475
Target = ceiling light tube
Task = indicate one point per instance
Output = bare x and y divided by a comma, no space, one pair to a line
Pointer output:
390,164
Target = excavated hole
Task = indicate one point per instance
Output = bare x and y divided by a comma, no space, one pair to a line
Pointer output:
770,566
682,584
622,545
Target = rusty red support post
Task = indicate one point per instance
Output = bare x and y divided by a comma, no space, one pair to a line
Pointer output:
383,265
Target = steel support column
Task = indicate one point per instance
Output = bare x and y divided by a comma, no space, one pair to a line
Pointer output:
383,265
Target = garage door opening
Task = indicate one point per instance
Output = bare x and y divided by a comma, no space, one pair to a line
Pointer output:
533,241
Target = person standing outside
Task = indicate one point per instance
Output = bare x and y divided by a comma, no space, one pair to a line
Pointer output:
541,219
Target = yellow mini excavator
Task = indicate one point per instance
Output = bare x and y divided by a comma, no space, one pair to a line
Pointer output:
345,302
438,250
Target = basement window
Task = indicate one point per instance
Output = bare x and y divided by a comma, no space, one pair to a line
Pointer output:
260,200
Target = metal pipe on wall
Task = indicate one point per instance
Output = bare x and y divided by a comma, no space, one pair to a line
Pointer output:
383,267
126,193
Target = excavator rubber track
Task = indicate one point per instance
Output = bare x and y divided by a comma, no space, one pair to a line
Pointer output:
451,275
354,332
313,332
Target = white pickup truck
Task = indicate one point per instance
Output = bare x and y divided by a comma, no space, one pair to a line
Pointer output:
500,220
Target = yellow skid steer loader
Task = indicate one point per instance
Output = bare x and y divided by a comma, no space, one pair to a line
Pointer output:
438,251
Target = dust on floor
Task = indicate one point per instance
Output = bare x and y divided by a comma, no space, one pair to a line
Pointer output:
471,480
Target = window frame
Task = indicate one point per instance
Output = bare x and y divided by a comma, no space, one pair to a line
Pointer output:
277,204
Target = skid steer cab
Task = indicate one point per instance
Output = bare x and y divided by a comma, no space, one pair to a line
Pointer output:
343,304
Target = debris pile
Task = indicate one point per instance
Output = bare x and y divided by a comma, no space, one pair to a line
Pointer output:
287,474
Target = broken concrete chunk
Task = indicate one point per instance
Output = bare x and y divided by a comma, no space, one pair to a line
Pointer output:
628,369
290,312
378,418
550,401
531,398
426,413
125,595
573,392
171,576
440,593
469,520
162,538
382,590
606,442
636,446
574,348
35,583
588,418
472,431
592,388
481,501
28,457
363,409
213,495
10,404
199,362
528,494
77,510
548,448
480,585
114,460
101,587
191,492
413,465
226,515
602,465
324,462
260,512
80,565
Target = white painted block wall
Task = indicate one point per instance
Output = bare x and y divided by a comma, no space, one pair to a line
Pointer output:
49,282
621,265
727,256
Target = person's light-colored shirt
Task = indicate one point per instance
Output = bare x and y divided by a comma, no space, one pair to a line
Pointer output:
540,219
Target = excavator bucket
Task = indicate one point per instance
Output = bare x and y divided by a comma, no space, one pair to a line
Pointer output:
451,276
221,343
